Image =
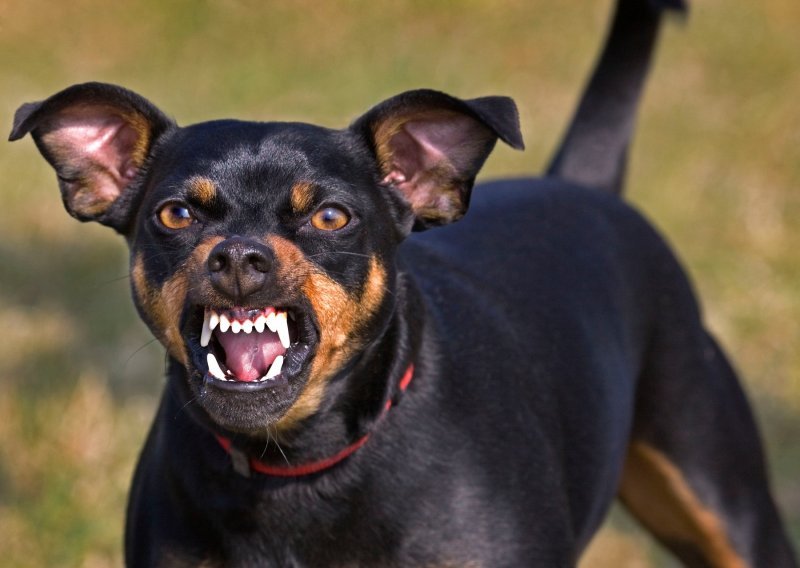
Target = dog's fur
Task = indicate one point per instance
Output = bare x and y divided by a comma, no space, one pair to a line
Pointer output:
554,348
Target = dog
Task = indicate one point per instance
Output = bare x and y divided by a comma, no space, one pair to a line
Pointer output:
348,388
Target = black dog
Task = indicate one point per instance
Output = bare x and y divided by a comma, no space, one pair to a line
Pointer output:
344,393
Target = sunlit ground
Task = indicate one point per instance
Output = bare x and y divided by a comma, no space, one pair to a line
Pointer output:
716,165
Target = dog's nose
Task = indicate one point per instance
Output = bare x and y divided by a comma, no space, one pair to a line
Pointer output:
240,267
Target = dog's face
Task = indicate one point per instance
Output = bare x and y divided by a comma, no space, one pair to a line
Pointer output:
262,254
262,262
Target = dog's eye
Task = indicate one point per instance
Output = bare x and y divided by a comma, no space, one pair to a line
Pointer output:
330,219
175,216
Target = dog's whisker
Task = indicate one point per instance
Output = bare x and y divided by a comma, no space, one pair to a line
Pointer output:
113,280
188,403
343,252
141,348
280,449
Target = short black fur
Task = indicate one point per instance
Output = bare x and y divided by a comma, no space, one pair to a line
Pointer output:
551,336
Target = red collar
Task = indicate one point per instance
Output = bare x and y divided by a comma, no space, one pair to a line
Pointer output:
245,464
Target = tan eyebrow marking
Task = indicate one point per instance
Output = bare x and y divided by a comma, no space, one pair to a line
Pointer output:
203,190
302,196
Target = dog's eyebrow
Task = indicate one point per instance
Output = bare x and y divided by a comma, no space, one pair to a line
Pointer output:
302,196
202,189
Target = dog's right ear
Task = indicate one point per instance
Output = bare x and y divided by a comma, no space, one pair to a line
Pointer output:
97,138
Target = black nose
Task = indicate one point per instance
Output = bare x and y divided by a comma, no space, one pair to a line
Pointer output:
240,267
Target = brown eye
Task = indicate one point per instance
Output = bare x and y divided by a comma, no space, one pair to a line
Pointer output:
175,216
330,219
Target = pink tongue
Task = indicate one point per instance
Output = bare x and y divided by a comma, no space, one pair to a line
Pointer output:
249,355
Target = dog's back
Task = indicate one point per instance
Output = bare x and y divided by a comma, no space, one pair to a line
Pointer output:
554,289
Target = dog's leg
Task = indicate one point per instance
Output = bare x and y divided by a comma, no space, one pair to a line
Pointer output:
695,474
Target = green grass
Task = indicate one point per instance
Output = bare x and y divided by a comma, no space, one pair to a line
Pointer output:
716,165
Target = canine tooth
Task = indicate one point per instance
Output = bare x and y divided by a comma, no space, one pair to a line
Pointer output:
224,323
259,324
214,368
213,321
283,329
236,326
275,368
205,335
272,322
247,326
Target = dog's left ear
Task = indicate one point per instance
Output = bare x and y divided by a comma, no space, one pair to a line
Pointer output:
430,146
97,137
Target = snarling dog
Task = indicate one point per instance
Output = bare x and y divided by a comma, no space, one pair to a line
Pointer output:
348,389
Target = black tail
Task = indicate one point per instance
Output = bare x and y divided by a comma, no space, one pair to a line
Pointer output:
593,151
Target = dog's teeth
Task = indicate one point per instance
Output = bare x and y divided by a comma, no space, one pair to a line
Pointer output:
272,322
214,368
274,369
260,322
236,326
224,323
205,335
213,321
283,329
247,326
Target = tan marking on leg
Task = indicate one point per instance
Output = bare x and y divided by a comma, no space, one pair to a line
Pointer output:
162,306
656,492
202,190
302,197
340,316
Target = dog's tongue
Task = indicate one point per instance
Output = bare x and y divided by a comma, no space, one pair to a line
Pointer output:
249,355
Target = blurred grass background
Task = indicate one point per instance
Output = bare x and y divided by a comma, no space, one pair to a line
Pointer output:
716,165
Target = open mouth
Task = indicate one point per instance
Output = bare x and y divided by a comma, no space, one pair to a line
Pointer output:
252,347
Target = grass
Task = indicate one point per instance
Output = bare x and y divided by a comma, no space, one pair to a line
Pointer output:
716,165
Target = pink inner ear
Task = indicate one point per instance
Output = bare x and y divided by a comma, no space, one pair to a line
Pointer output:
97,143
444,139
421,146
430,160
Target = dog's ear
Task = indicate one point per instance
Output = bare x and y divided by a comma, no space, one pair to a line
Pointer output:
430,146
97,138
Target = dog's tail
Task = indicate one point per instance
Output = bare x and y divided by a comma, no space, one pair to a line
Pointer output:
594,149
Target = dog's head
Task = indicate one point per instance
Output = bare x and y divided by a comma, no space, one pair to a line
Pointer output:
262,254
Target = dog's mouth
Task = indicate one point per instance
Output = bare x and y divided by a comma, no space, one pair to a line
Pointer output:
251,348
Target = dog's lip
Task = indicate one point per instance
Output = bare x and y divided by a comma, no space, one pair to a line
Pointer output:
302,342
